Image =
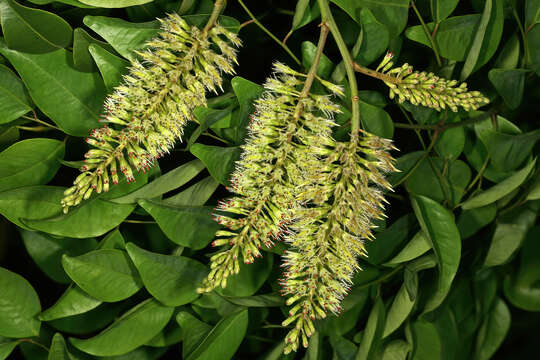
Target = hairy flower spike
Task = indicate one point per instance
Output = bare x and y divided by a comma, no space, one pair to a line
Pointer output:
288,135
327,239
427,89
146,114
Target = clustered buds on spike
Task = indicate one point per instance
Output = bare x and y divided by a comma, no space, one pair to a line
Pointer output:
427,89
288,135
327,240
148,112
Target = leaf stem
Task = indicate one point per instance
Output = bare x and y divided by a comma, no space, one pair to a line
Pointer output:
428,34
34,118
285,47
327,18
219,5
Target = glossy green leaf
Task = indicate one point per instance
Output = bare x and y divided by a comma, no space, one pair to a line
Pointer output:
33,30
470,221
6,347
88,322
418,246
113,240
72,99
503,188
165,183
389,240
47,251
67,2
218,160
58,350
128,332
509,84
114,3
375,120
246,92
509,55
32,202
106,274
197,194
406,164
509,234
74,301
223,340
111,67
190,226
452,141
532,13
426,341
81,55
438,225
173,280
343,349
304,14
373,332
170,335
207,118
396,350
265,300
308,55
19,305
392,13
374,39
493,331
14,100
250,278
441,9
194,330
486,38
30,162
8,136
399,311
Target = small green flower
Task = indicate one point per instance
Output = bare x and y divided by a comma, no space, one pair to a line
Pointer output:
288,135
427,89
146,115
327,238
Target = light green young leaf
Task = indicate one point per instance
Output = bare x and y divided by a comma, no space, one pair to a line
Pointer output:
106,274
308,55
418,246
58,350
6,347
376,121
114,3
396,350
374,39
131,330
399,311
19,305
476,46
373,332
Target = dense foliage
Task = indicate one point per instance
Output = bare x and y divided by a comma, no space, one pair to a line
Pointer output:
130,272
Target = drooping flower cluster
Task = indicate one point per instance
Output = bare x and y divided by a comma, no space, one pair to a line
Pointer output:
327,240
427,89
288,135
148,112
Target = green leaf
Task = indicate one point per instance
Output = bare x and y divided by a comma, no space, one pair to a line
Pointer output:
373,332
70,98
173,280
265,300
165,183
452,141
114,3
113,240
170,335
246,92
8,135
389,240
19,305
106,274
74,301
30,162
533,47
532,13
374,38
131,330
6,348
190,226
218,160
250,278
111,67
375,120
195,195
47,252
343,349
441,9
438,225
406,164
396,350
399,311
33,202
207,118
88,322
194,330
81,55
486,39
123,36
223,340
304,14
426,341
470,221
509,55
392,13
498,191
418,246
14,99
509,234
308,55
493,331
58,350
509,84
33,30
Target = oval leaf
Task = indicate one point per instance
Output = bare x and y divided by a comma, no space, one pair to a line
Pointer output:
14,100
